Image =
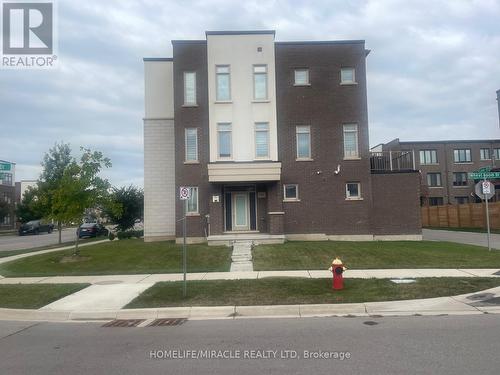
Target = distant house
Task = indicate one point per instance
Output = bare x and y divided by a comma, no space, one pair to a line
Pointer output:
7,192
271,138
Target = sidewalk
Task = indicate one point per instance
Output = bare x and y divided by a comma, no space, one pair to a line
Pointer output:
312,274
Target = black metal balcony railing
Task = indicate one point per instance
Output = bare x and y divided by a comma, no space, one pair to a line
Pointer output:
392,161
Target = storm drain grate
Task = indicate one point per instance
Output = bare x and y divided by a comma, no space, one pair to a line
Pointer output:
167,322
370,323
124,323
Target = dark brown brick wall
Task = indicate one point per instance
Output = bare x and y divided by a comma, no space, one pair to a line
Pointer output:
325,105
396,207
9,192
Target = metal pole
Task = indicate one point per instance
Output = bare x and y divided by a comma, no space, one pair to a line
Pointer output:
390,159
184,260
487,219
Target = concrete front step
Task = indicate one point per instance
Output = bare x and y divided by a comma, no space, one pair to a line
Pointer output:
241,266
241,258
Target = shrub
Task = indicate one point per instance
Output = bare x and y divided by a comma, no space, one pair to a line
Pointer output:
130,234
111,236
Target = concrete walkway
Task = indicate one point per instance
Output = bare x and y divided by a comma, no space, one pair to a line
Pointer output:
242,257
469,238
312,274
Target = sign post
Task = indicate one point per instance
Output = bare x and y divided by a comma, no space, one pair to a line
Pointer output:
485,190
184,195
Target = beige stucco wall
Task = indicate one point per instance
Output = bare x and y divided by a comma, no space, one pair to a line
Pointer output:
240,52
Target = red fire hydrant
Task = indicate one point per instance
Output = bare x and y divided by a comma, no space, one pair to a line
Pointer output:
337,269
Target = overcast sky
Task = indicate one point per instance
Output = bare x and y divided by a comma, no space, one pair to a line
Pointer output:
433,69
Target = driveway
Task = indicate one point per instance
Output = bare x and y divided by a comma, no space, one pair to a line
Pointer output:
16,242
469,238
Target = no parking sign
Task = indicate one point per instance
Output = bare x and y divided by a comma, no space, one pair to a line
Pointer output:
184,193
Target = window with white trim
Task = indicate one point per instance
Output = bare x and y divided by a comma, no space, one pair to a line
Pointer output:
485,154
262,140
428,157
290,192
347,75
223,83
224,137
191,144
351,141
189,88
260,82
462,155
353,190
301,77
192,202
497,153
303,134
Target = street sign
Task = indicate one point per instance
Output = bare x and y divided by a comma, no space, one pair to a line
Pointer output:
4,167
184,193
483,193
483,175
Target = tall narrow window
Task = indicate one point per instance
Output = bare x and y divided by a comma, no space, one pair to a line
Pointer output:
192,203
347,76
191,144
189,88
224,140
303,142
261,140
223,83
351,141
260,82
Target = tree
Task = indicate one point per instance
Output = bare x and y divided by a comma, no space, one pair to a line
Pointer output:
81,188
30,207
131,199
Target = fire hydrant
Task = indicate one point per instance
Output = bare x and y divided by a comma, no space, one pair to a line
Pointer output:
337,268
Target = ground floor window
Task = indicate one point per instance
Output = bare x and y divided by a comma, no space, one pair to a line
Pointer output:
290,192
192,203
435,201
353,190
462,200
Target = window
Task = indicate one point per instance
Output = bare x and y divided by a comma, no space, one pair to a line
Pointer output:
6,179
462,156
191,144
303,142
435,201
6,220
260,82
224,138
460,179
485,154
261,140
223,83
347,75
497,153
189,88
462,200
192,202
353,190
434,179
301,77
351,141
291,192
428,157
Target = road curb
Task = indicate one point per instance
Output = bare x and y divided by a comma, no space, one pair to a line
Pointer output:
454,305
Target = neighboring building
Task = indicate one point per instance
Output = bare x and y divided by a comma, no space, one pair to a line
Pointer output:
272,139
445,165
22,186
7,192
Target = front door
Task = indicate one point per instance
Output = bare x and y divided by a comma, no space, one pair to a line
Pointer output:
241,211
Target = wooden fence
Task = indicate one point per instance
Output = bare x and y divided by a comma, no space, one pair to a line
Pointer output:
471,215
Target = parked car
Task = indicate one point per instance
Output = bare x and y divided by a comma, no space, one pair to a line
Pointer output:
92,230
35,227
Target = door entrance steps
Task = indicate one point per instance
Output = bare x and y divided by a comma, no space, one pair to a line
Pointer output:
242,256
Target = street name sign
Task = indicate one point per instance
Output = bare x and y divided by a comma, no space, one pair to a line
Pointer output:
483,175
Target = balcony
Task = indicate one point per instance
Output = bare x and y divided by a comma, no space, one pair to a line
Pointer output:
244,171
392,161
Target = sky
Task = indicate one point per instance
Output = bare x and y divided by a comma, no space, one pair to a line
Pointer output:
432,73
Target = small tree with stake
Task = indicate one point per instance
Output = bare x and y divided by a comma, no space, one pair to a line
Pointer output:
81,188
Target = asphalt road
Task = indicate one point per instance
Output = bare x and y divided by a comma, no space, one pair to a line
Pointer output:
397,345
29,241
469,238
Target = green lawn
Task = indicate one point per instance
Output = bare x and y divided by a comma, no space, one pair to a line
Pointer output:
34,296
8,253
132,256
283,291
373,254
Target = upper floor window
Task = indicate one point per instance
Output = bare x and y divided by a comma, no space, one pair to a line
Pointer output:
189,88
462,156
6,178
351,141
434,179
485,154
459,178
260,82
223,83
497,153
428,157
191,144
224,140
303,142
301,77
347,75
261,140
192,202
